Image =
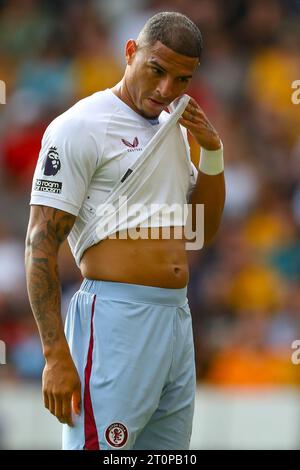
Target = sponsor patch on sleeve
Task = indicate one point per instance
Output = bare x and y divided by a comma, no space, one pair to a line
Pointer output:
48,186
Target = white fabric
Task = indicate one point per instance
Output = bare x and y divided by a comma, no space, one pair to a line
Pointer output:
92,146
212,161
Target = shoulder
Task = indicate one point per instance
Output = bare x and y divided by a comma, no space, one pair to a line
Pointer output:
85,118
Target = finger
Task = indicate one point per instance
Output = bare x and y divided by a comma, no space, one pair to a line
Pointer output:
51,406
76,401
188,124
195,110
187,116
58,408
191,118
192,127
190,109
184,121
194,103
46,400
67,411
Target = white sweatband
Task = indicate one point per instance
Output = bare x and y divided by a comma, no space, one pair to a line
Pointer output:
211,161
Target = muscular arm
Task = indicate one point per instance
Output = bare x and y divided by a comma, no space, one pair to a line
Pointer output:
47,229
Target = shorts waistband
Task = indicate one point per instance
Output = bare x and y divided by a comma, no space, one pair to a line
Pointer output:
135,292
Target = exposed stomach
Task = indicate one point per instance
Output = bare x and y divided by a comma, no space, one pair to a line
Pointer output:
151,262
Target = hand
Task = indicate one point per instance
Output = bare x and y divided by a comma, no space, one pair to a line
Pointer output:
62,388
195,120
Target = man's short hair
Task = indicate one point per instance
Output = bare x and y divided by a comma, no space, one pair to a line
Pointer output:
174,30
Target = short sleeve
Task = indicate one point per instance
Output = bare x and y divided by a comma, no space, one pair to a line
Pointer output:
67,161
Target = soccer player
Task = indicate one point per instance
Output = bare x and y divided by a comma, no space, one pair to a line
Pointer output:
121,375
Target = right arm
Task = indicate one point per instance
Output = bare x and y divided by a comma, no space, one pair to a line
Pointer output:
48,228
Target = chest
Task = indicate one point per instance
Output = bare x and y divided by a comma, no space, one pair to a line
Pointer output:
123,147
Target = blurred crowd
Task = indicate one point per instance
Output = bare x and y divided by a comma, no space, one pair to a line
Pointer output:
244,289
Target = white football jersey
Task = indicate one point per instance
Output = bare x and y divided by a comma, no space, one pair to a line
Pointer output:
89,148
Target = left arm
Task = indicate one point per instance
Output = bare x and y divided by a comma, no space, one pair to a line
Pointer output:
210,185
210,191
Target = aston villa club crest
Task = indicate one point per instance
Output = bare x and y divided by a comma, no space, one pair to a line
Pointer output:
52,162
116,435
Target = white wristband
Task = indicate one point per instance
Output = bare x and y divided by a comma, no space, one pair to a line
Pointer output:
211,161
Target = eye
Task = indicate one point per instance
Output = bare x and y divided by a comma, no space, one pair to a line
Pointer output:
157,71
183,79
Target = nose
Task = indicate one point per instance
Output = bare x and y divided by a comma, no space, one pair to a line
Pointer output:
165,87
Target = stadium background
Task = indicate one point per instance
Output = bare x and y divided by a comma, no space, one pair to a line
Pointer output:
244,290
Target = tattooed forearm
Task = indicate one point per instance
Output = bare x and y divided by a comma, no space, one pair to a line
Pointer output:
47,229
44,293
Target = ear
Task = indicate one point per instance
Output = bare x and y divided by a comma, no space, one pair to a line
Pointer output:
130,50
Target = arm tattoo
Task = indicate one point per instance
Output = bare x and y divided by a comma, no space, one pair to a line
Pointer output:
48,228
